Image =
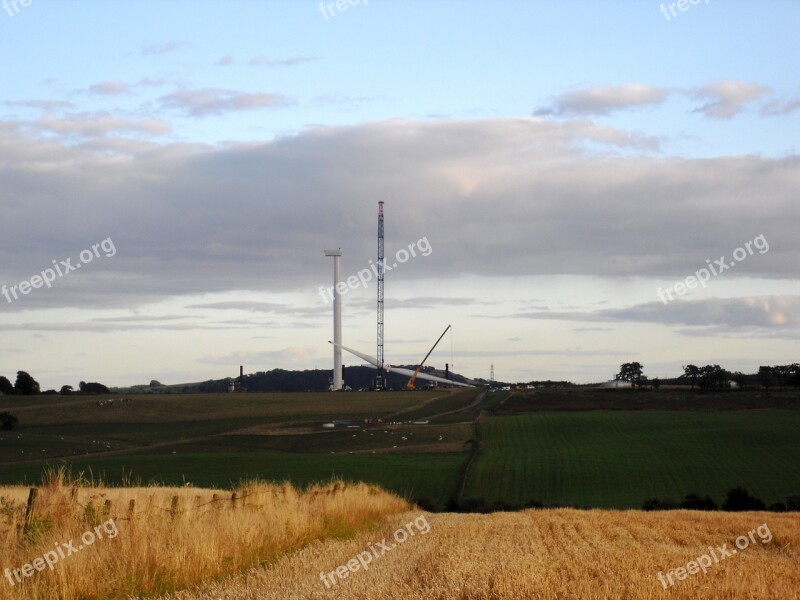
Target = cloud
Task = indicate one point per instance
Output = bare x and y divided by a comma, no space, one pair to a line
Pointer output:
210,101
775,108
110,88
773,312
291,356
44,105
100,124
163,48
726,99
269,307
225,61
495,198
604,100
262,61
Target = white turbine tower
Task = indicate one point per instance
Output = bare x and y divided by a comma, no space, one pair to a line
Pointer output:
337,320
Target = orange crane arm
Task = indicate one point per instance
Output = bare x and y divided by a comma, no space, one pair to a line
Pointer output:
410,384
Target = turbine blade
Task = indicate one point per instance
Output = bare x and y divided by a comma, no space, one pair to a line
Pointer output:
399,370
370,359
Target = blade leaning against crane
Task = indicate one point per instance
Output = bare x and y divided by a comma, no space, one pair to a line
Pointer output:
421,375
389,369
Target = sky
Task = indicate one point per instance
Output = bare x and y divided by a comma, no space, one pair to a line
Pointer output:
583,184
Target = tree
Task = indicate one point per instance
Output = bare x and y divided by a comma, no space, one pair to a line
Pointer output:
782,374
739,499
739,378
631,372
66,390
695,502
93,388
765,377
25,384
656,383
5,386
8,421
692,372
714,377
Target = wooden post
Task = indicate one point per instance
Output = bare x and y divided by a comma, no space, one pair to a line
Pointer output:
131,508
234,498
173,509
106,508
32,496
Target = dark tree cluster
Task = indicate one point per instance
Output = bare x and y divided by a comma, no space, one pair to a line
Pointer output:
25,385
779,375
738,499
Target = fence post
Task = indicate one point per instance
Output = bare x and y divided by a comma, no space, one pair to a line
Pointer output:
32,496
234,498
131,508
106,508
173,509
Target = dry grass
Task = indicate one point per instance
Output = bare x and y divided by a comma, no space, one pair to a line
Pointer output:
168,544
540,554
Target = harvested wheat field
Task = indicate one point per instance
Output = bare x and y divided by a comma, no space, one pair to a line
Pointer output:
541,554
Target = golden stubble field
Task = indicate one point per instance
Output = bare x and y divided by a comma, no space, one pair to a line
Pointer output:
540,554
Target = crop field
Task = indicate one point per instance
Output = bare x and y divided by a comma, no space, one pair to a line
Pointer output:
565,447
619,459
543,555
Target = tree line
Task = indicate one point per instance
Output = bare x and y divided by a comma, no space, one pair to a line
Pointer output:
715,377
25,385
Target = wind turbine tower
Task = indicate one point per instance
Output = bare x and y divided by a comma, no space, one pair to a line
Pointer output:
337,319
380,377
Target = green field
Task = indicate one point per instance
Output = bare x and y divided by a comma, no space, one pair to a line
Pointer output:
619,459
586,448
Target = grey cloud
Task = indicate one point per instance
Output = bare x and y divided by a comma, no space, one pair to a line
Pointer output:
603,100
263,61
44,105
110,88
162,48
726,99
502,197
100,124
211,101
777,107
772,312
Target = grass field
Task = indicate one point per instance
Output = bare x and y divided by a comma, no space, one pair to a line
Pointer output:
585,448
619,459
420,476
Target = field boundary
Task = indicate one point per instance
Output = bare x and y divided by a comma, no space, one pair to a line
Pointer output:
475,453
